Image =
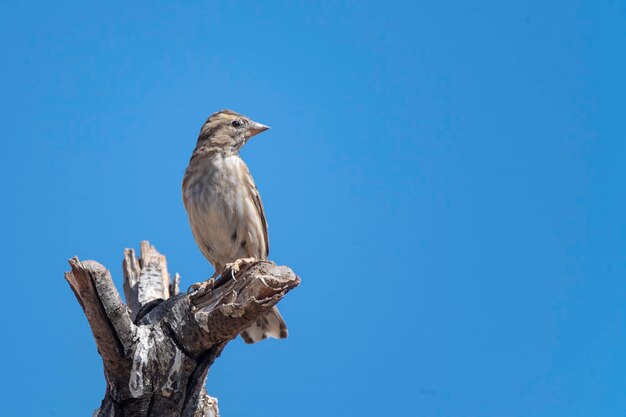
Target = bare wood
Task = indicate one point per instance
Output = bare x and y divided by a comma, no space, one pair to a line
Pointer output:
145,279
132,271
156,364
106,314
175,285
234,303
156,283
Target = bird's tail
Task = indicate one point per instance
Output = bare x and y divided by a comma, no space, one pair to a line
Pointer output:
269,325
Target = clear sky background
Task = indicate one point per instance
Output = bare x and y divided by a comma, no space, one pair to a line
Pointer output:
447,177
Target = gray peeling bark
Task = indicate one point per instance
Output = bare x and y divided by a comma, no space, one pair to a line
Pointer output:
158,347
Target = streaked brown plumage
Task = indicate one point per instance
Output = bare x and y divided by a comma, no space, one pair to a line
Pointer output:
224,206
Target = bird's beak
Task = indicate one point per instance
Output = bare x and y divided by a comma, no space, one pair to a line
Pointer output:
254,129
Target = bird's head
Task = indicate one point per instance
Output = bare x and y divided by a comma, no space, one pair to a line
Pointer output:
228,131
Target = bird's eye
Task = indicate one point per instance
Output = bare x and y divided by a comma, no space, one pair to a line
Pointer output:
235,123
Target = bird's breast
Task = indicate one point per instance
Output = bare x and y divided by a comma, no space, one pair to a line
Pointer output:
223,217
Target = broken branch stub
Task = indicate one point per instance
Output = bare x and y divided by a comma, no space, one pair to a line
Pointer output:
145,279
158,348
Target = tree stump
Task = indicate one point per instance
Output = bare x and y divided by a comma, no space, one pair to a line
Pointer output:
158,347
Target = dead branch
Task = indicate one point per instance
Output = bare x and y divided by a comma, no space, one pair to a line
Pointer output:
158,347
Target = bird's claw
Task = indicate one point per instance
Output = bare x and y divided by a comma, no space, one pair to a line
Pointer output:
236,266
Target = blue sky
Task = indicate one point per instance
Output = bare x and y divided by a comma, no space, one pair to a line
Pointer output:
447,177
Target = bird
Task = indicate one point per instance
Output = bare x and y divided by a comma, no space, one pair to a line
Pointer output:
224,207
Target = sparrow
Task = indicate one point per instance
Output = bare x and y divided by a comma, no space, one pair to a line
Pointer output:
224,206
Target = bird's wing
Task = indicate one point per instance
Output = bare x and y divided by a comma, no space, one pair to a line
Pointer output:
256,197
259,207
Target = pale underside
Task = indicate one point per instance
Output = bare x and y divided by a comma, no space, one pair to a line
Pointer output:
227,220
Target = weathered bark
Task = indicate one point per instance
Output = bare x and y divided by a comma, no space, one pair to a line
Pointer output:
158,348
